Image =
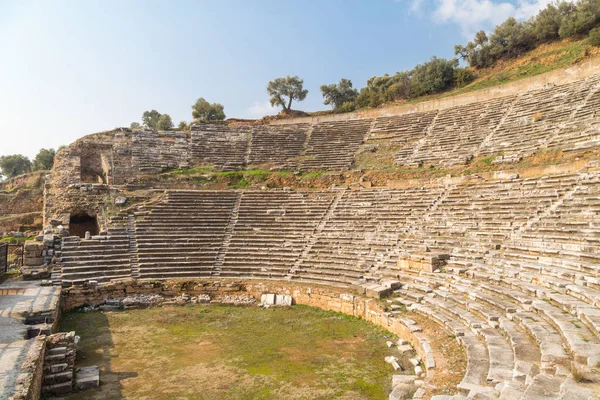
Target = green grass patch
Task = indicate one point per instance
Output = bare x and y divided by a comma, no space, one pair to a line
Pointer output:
311,175
221,352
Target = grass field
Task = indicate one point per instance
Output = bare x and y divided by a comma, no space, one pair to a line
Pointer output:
222,352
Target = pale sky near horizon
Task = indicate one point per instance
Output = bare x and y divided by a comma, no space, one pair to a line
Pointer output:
72,67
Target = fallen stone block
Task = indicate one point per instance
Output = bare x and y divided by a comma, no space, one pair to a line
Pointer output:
87,377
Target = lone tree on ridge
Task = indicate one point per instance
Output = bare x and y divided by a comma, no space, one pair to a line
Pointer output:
290,87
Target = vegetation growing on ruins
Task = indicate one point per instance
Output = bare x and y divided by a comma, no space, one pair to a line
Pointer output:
202,110
512,38
17,164
509,40
232,352
154,120
338,94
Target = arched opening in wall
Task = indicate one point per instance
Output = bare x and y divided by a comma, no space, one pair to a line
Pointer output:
80,223
91,177
93,168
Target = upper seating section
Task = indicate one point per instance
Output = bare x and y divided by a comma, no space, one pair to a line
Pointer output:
538,116
332,145
224,147
154,151
563,117
457,133
277,145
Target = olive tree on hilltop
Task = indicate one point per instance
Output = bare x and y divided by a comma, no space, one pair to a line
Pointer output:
285,90
202,110
15,164
164,122
150,119
44,160
338,94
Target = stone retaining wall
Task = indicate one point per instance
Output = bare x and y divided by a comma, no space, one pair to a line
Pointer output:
327,298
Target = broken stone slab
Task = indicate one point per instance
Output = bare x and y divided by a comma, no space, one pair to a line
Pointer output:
405,348
376,291
401,392
422,262
87,377
402,379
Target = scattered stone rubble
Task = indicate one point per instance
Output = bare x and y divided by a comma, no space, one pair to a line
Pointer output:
137,301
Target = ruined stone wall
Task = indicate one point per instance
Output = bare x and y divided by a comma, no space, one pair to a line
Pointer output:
85,173
29,383
21,201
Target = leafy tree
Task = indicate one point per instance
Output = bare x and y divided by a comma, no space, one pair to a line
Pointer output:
336,95
400,88
433,76
164,122
14,165
511,39
581,20
150,119
135,125
183,126
44,160
204,111
474,52
290,87
545,26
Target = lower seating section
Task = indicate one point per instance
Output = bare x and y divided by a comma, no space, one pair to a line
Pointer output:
271,231
519,341
332,145
361,233
519,287
101,258
565,243
277,144
181,235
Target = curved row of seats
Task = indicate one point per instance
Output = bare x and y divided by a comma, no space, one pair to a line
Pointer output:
520,288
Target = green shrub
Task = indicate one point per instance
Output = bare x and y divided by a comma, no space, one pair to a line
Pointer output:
462,77
594,37
347,106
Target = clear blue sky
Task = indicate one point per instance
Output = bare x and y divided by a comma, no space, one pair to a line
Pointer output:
70,68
